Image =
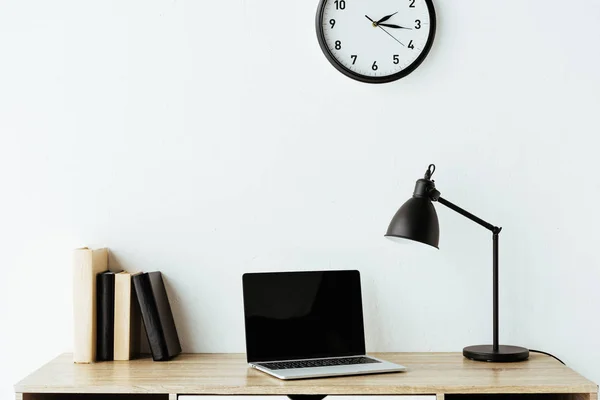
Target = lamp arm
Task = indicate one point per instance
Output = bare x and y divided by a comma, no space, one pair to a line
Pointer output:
467,214
495,239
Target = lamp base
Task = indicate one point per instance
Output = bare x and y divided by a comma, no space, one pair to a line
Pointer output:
485,352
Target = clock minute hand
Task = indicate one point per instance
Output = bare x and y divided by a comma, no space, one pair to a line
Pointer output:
386,18
394,26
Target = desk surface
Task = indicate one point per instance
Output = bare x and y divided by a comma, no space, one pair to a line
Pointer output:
428,373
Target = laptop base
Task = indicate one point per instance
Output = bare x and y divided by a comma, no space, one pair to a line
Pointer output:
381,367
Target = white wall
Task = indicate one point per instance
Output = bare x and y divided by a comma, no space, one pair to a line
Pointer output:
207,139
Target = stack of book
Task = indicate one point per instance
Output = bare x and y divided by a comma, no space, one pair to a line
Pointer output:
110,306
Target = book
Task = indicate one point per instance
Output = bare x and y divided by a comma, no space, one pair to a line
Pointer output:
87,264
128,320
105,291
157,316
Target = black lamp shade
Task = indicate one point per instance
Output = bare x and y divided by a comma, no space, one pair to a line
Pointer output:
416,220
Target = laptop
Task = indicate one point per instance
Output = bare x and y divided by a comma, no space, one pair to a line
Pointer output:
307,325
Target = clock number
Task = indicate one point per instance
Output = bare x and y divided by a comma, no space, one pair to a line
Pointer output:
338,45
412,4
354,57
411,45
340,4
374,67
417,24
396,59
332,23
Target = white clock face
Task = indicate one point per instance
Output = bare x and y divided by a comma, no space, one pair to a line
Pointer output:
375,40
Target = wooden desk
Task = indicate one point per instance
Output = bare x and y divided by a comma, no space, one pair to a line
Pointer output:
448,376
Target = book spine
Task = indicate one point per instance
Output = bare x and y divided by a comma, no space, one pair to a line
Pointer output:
135,323
84,335
106,316
165,313
122,351
150,317
86,264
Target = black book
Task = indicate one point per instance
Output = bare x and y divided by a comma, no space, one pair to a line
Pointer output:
157,316
105,323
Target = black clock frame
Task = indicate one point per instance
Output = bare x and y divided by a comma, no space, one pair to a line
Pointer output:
375,79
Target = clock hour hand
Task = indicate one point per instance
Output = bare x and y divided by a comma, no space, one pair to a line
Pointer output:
386,18
394,26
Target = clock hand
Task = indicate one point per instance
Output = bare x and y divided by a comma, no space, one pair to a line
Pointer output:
375,25
394,26
391,36
386,18
372,22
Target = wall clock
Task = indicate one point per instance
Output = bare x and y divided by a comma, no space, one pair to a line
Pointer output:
375,41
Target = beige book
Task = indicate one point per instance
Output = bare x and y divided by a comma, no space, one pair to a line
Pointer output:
87,264
128,319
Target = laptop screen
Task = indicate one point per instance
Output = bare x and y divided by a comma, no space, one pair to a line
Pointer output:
297,315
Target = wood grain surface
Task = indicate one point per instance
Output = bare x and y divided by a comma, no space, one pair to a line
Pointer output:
228,374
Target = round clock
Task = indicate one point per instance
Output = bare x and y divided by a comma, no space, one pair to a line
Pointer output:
375,41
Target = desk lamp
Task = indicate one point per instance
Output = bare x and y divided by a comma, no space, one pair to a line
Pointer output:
417,220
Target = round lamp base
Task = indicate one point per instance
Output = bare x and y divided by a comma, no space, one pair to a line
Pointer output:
306,396
485,352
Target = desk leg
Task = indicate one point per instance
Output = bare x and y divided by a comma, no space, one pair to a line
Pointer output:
172,397
440,396
18,396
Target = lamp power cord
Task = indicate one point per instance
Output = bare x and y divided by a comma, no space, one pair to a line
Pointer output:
548,354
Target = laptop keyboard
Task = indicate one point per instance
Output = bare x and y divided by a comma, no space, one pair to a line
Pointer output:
327,362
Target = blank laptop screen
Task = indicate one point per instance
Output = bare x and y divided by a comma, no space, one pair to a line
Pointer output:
298,315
